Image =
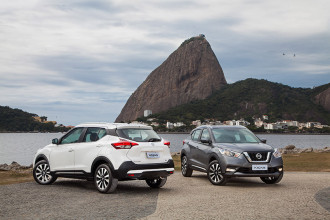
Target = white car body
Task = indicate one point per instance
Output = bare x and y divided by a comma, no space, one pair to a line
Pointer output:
143,160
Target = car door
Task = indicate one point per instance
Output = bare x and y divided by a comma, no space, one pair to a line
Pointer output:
88,149
62,155
203,149
193,144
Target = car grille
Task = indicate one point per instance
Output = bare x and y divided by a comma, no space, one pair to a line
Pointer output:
257,156
249,170
254,157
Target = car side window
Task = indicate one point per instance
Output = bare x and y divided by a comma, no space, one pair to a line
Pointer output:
195,135
205,135
73,136
94,134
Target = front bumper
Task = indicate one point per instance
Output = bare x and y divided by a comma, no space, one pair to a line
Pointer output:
248,172
241,167
130,171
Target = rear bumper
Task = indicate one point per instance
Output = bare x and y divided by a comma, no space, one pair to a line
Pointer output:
129,170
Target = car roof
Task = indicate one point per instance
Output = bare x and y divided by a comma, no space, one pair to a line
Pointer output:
113,125
220,126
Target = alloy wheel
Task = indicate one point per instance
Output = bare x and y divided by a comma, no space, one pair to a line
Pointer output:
215,173
184,165
42,173
102,178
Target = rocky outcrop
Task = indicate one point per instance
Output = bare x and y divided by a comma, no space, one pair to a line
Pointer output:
323,99
192,72
13,166
291,149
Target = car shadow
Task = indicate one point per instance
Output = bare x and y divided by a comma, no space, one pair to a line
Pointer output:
131,187
245,182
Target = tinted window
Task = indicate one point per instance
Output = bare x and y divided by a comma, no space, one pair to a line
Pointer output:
72,137
94,134
195,135
205,135
234,135
139,135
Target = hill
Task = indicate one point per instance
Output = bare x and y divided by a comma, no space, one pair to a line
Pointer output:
253,97
14,120
180,79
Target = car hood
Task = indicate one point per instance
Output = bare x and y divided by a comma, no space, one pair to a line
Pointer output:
242,147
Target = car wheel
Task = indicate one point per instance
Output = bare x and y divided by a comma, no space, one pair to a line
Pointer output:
272,180
156,183
104,180
185,169
42,174
214,174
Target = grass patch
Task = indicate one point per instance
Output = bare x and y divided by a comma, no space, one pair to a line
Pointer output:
307,162
11,177
304,162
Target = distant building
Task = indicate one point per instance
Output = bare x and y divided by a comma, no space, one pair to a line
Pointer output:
178,124
169,125
265,117
196,123
156,124
258,123
147,113
312,124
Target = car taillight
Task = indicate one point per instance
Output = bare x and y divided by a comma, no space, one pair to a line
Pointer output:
124,145
167,143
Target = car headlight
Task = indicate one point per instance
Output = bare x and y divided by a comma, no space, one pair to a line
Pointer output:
277,153
229,153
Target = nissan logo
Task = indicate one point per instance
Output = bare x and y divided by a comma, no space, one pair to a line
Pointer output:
258,156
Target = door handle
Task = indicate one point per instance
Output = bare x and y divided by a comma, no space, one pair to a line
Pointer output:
71,150
99,145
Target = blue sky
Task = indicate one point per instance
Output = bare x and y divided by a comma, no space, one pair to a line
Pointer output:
78,61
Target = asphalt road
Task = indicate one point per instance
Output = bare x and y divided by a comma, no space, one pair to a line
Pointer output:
297,196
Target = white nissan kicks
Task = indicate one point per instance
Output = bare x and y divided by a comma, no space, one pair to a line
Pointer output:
106,153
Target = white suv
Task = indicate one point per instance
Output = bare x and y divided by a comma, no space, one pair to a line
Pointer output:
106,153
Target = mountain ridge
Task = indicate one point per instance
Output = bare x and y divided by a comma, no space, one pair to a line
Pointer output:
254,97
181,78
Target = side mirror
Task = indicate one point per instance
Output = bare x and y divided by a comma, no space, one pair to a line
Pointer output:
263,141
206,141
55,141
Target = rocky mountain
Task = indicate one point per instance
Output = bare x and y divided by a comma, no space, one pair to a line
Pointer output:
192,72
253,97
323,98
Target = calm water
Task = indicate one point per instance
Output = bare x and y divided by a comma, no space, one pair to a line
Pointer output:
21,147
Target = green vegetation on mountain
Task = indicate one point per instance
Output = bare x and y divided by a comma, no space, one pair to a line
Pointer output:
13,120
252,98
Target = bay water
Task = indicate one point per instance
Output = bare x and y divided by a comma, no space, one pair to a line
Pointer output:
21,147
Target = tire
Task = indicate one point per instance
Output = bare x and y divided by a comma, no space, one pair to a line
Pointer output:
272,180
104,180
214,174
156,183
185,169
42,174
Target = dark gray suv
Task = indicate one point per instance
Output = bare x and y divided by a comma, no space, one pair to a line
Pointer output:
230,151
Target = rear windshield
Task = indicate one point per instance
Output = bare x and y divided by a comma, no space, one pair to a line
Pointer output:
139,134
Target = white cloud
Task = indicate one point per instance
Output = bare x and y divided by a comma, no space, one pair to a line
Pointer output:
85,55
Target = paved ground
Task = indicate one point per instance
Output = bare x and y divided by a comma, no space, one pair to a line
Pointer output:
298,196
76,199
244,198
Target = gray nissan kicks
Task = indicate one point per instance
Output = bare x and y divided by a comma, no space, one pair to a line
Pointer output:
224,152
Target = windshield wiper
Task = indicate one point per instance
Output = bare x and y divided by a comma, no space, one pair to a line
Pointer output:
153,140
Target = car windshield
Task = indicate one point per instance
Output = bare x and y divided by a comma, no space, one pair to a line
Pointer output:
234,135
139,135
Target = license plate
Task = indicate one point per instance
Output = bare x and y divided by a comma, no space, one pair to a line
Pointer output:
259,167
153,155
